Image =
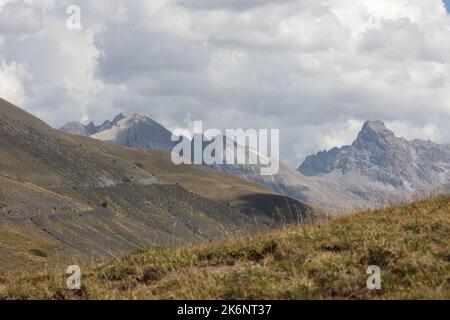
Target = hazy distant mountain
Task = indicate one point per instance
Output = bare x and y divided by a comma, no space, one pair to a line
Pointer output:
377,169
380,167
90,129
291,183
142,131
138,131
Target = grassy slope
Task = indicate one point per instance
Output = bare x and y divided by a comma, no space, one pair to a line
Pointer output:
410,243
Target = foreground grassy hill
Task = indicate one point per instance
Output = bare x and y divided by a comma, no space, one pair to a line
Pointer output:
325,261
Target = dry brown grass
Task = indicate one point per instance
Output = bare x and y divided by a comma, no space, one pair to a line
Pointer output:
327,261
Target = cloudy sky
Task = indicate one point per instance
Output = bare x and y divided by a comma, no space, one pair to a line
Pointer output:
316,69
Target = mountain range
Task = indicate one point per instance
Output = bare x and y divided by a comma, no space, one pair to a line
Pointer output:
129,132
381,168
376,170
95,192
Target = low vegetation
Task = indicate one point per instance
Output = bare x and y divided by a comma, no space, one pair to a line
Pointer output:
325,261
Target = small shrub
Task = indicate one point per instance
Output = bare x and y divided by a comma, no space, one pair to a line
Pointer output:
118,273
151,274
38,253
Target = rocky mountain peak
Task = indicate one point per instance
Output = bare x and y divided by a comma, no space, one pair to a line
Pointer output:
378,160
137,117
75,127
375,128
89,129
374,132
117,118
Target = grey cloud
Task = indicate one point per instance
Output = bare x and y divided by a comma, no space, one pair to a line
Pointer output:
401,39
19,18
237,5
124,57
293,65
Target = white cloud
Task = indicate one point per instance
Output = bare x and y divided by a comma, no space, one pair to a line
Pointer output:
411,132
314,68
19,18
12,81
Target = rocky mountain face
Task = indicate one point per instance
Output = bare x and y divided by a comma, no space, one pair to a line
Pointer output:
90,129
137,131
380,167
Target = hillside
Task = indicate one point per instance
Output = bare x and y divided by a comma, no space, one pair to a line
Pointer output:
67,198
323,261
